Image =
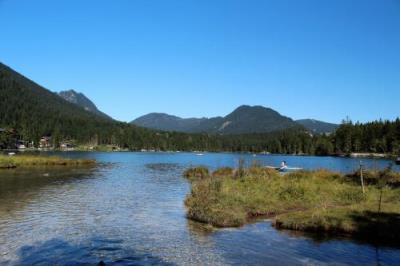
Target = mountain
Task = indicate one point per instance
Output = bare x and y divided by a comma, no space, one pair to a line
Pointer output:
34,111
244,120
167,122
81,100
254,119
318,127
28,112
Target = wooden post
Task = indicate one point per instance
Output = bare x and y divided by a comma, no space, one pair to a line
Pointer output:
362,177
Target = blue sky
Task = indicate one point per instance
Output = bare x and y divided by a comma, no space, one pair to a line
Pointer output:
306,59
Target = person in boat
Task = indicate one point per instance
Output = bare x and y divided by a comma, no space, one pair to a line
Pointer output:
283,166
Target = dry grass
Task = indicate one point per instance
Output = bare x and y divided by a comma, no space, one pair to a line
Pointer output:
30,160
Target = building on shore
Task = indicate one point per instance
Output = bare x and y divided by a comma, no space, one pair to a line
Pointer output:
45,142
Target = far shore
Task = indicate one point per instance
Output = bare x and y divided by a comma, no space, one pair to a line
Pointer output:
113,148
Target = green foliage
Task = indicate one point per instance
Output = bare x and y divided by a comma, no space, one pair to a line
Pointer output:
324,146
375,137
8,139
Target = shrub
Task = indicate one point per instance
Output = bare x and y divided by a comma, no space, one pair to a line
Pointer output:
374,177
223,172
195,173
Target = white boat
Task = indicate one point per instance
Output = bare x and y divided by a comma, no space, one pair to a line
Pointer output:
21,147
284,169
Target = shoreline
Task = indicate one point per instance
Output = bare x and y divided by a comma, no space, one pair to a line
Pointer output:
351,155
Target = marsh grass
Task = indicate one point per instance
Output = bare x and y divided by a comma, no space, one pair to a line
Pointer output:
30,160
197,173
223,172
318,200
374,177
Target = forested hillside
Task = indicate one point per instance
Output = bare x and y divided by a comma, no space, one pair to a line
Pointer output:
35,112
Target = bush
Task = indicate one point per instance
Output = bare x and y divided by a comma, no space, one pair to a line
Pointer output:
195,173
374,177
223,172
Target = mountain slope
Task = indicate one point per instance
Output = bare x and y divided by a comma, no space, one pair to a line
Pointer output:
318,127
81,100
244,120
254,119
35,111
167,122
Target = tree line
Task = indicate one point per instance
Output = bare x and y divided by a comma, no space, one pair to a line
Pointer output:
372,137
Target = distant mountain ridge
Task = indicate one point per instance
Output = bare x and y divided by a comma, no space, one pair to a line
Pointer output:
243,120
167,122
81,100
27,106
318,127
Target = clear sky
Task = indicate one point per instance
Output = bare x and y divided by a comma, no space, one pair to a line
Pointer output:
306,59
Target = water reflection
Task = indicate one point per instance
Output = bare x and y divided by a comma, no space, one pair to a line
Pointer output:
163,167
61,252
25,184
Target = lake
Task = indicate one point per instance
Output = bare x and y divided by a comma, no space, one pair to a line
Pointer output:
129,210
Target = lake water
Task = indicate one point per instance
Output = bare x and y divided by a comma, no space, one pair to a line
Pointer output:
130,210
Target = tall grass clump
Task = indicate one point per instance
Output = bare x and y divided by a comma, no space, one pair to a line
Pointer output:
195,173
223,172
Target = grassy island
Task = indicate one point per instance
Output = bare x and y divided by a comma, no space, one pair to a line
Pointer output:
31,161
318,201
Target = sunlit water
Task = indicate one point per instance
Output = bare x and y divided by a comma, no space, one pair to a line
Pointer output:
130,210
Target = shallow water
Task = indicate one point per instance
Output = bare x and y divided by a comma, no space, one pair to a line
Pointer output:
129,211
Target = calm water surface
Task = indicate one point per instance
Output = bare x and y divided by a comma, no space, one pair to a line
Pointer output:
129,211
